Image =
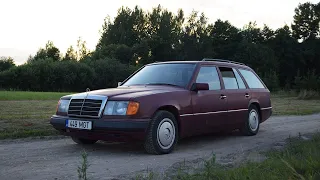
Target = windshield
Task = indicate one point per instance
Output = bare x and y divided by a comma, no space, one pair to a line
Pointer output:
163,74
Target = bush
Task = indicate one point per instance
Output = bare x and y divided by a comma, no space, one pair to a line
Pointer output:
108,72
271,80
45,75
310,82
308,94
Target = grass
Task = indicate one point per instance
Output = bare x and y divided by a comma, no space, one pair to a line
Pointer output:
299,160
27,95
25,114
20,119
289,105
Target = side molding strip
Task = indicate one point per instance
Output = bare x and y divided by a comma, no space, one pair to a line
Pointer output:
216,112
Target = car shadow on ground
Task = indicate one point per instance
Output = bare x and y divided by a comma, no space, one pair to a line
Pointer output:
101,147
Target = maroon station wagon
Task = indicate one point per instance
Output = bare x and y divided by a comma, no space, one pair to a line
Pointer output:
165,101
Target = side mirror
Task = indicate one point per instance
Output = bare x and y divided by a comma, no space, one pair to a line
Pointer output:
200,87
119,83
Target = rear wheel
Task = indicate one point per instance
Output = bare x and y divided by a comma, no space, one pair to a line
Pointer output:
252,124
162,134
83,141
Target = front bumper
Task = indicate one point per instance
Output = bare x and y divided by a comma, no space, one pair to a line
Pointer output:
104,129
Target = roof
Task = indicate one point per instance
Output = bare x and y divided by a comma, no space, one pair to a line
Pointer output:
206,61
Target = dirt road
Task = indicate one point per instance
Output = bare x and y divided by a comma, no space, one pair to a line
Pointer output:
59,158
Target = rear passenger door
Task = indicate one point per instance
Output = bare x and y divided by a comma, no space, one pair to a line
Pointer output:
209,106
238,96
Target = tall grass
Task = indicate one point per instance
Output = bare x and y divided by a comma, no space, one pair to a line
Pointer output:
308,94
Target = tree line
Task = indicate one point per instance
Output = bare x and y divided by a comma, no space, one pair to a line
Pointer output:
285,58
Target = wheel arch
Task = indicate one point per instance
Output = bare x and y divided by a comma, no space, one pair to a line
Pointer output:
174,110
256,104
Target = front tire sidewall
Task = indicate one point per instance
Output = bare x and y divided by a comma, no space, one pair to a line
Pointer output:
247,129
153,138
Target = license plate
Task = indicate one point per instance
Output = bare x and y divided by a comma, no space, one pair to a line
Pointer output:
79,124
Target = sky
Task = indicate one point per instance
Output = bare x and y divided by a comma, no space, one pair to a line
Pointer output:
26,25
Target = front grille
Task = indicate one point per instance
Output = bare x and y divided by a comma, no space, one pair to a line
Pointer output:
84,107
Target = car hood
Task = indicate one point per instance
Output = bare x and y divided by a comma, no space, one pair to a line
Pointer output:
131,92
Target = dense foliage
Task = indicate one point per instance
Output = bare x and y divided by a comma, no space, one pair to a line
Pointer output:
288,57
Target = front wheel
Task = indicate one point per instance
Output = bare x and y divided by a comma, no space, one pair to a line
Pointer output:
162,133
252,124
83,141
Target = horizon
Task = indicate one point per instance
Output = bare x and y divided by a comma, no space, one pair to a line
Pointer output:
31,24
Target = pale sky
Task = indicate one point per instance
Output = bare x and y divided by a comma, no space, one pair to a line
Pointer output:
26,25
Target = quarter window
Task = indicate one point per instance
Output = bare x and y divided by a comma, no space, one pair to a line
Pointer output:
209,75
229,79
251,79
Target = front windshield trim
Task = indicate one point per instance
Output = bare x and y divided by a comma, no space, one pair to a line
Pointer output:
157,64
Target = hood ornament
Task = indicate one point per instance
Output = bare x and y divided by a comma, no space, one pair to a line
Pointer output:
87,90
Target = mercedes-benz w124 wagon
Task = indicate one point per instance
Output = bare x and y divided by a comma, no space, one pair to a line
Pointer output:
166,101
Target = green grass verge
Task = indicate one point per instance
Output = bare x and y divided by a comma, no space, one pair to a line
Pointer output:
26,118
287,105
299,160
27,95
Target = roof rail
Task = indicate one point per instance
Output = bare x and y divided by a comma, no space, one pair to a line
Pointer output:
222,60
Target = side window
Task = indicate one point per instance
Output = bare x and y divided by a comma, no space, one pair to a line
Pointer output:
251,79
209,75
229,79
239,79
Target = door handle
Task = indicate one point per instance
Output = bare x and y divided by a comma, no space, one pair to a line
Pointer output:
247,95
223,96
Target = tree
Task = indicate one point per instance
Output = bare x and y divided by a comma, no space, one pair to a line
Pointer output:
195,39
288,53
306,21
163,33
225,38
82,50
252,33
6,63
52,51
49,52
267,34
127,28
71,55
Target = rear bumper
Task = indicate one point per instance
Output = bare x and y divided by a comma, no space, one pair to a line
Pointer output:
266,114
102,129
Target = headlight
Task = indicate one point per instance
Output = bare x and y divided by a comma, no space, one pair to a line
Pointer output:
121,108
63,106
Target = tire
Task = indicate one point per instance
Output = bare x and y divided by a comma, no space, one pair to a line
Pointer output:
252,123
83,141
162,134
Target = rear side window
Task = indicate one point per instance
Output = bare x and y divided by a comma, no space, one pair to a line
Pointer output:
209,74
251,79
229,79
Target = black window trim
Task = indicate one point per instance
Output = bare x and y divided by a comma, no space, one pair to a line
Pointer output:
244,81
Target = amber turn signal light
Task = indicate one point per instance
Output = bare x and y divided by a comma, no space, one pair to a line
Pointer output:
133,108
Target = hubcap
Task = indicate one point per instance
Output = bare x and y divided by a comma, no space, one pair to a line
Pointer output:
253,120
166,133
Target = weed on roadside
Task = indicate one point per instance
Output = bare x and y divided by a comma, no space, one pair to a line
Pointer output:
82,170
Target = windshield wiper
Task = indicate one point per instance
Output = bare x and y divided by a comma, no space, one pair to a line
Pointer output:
163,84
